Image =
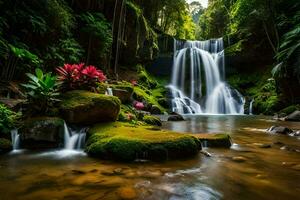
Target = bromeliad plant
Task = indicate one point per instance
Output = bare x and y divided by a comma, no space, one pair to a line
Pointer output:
42,91
78,76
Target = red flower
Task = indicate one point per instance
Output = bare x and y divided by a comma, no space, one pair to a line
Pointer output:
79,76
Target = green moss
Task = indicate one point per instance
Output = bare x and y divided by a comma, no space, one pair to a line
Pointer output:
126,142
32,122
5,145
146,79
127,113
215,140
78,98
8,119
290,109
151,120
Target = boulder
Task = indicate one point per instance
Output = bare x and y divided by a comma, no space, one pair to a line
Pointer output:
175,117
127,142
151,120
295,116
5,145
280,130
42,132
155,110
123,95
85,108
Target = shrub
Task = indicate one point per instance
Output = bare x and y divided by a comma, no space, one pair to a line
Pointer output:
42,91
8,119
78,76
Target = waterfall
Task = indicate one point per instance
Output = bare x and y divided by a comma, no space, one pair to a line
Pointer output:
109,92
251,107
198,83
74,139
15,139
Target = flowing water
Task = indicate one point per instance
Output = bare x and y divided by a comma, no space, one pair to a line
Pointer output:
15,138
262,173
251,107
198,80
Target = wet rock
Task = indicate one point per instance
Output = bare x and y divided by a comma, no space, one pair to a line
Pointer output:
93,171
77,172
280,130
152,120
85,108
42,132
175,117
5,145
155,110
207,154
127,193
123,95
239,159
295,116
290,148
295,134
263,146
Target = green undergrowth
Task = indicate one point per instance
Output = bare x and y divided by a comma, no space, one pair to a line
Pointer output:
260,87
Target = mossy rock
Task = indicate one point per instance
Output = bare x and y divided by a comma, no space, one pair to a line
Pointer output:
290,109
83,107
215,140
126,142
5,145
151,120
42,132
127,113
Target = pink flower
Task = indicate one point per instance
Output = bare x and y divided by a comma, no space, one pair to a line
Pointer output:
134,82
139,105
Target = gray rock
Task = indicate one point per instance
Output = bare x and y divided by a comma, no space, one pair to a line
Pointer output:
280,130
295,116
42,132
175,117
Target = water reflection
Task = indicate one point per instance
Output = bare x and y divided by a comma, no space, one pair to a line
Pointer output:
258,166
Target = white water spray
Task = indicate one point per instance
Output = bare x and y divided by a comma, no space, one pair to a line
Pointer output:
74,140
198,80
109,92
15,139
251,107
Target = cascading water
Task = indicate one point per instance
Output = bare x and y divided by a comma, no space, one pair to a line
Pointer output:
75,139
251,107
198,80
15,139
109,92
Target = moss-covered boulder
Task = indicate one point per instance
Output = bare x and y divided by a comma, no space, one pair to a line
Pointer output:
5,145
214,140
151,120
42,132
83,107
126,142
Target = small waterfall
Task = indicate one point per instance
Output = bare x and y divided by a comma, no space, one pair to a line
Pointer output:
109,92
74,139
251,107
15,139
198,80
